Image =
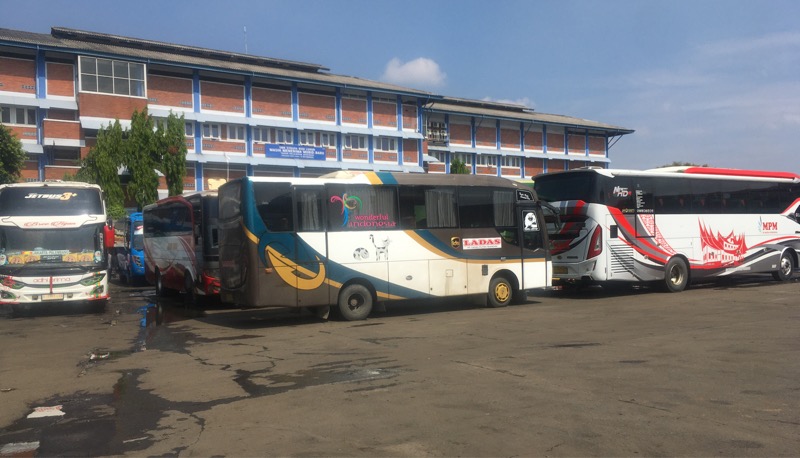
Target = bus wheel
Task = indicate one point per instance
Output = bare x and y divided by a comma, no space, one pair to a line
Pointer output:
785,267
355,302
500,292
160,291
189,289
676,275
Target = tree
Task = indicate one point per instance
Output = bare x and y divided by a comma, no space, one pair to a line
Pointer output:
173,151
102,164
457,166
683,164
12,156
141,159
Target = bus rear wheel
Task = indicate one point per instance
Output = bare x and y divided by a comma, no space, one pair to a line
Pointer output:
785,268
191,297
676,275
355,302
500,292
160,291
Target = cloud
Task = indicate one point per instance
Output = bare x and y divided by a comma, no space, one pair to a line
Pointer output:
524,101
420,72
766,43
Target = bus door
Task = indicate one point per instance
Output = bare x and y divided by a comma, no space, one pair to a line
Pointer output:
533,230
311,247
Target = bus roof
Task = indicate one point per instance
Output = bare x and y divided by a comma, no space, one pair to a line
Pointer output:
54,183
376,178
688,172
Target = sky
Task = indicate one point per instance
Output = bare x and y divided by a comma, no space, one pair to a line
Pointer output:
713,82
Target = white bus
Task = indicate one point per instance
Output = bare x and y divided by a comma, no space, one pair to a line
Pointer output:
673,225
376,237
51,244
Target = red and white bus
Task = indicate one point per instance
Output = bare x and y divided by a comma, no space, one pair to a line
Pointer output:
181,245
671,225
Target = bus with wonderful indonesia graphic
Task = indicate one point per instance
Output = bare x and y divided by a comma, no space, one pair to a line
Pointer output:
354,240
672,225
51,244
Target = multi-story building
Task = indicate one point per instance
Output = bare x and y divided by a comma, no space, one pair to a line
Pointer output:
261,116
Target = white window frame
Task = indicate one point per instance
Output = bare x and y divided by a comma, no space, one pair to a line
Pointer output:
9,114
466,158
307,138
387,144
281,136
352,141
327,139
261,134
211,130
487,160
237,132
511,161
188,129
119,76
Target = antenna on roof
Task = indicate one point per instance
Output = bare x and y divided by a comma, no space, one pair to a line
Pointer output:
245,39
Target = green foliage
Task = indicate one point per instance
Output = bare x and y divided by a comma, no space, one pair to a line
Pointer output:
458,167
141,159
173,153
116,211
101,165
12,156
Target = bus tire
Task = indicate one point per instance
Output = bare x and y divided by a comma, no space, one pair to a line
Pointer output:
355,302
500,292
188,287
785,267
160,290
676,275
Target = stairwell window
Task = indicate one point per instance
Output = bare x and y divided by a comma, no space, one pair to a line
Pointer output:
108,76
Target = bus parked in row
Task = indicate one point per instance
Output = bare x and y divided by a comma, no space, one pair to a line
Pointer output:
672,225
51,244
181,245
363,238
129,251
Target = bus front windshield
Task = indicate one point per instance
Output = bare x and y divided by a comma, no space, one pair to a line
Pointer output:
569,186
80,246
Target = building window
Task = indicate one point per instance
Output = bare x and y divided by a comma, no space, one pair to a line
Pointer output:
487,159
17,115
385,144
210,130
188,128
236,132
327,139
108,76
355,142
437,132
260,134
307,138
511,161
281,136
464,157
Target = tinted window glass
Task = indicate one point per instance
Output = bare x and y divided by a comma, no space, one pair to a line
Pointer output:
567,186
50,200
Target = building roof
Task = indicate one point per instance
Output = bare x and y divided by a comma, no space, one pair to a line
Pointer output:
512,112
68,40
156,52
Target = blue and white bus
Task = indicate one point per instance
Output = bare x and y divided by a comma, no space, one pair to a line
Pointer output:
130,255
376,237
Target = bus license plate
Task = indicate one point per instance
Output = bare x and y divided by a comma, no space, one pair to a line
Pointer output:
52,297
559,270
